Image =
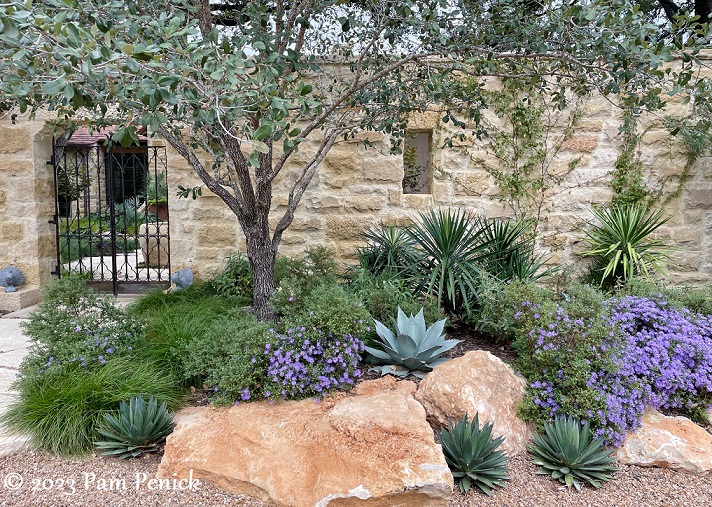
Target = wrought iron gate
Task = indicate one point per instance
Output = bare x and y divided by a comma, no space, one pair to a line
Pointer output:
111,212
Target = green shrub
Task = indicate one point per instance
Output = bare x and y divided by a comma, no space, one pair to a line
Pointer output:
74,326
383,294
332,310
318,345
499,302
60,410
136,428
562,341
472,454
297,278
568,452
695,299
235,280
68,304
228,357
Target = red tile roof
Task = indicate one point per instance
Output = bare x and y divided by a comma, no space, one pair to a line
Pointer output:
82,137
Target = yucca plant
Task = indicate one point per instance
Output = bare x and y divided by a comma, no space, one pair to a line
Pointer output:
411,349
389,248
621,246
511,251
472,454
449,246
137,428
568,452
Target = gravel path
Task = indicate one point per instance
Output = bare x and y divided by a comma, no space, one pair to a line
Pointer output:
632,487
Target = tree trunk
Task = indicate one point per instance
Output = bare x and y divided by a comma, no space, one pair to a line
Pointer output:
262,254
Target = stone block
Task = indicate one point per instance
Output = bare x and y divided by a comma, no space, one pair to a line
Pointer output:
216,235
12,231
364,204
369,136
323,203
668,442
472,183
16,139
589,125
698,197
477,382
307,224
212,213
343,160
26,295
555,241
580,144
395,197
417,201
371,447
347,228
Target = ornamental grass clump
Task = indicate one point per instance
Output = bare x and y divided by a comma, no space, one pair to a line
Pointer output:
472,454
568,452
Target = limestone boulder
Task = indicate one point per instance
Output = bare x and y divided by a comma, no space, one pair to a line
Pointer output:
372,446
477,382
668,442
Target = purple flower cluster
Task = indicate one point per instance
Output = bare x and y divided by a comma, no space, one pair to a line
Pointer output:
92,346
665,361
638,352
562,354
310,363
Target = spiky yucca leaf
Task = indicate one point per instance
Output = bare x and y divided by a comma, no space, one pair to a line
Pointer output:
411,349
568,452
621,243
472,454
138,427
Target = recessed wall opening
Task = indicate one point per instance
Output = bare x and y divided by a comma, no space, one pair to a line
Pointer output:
417,163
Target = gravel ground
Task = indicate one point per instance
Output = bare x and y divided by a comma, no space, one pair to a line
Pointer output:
632,487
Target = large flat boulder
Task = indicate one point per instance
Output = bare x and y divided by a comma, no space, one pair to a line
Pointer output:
372,446
668,442
477,382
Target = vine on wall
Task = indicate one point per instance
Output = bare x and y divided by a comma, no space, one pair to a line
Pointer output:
525,140
628,176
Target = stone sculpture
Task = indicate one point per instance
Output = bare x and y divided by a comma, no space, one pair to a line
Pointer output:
182,279
11,278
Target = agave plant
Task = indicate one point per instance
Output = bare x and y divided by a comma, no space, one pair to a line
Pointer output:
569,453
411,349
620,243
472,454
138,427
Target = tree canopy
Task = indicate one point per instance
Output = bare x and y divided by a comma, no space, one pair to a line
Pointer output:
248,82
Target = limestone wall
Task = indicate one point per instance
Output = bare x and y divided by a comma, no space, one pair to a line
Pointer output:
26,200
357,187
